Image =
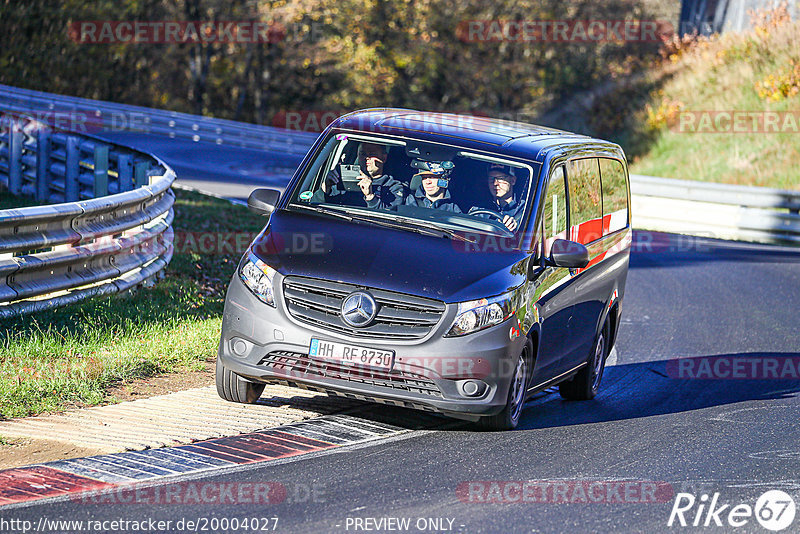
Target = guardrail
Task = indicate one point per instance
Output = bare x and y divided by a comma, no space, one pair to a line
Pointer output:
722,211
98,116
90,242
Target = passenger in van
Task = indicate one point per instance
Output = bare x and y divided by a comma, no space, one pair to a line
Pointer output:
378,190
433,192
501,180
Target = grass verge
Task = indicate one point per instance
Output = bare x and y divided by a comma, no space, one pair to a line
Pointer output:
9,201
71,356
667,119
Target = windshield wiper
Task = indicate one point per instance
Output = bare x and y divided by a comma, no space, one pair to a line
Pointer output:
429,225
326,211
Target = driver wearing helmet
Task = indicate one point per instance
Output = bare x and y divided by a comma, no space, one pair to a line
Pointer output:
501,180
433,192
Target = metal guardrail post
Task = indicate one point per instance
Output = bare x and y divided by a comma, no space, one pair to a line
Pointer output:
72,170
100,171
15,140
140,170
125,172
42,165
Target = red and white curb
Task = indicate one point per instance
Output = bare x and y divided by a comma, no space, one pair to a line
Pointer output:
99,473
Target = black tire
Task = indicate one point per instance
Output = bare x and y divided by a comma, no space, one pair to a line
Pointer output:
585,384
234,388
508,419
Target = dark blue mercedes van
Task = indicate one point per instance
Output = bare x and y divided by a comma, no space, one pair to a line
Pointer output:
440,262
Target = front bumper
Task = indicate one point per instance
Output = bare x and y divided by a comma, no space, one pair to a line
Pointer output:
272,346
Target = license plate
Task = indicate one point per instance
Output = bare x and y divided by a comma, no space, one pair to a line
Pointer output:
351,354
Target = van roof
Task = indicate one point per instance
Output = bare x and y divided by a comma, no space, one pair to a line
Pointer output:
518,139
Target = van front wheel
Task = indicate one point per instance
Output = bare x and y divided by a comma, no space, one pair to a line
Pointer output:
234,388
508,419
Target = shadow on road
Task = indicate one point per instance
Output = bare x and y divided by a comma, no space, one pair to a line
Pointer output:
657,249
629,391
633,391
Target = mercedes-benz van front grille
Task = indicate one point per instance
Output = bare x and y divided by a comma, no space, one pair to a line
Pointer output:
400,316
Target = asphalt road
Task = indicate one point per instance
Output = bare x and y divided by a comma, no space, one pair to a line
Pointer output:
222,170
647,429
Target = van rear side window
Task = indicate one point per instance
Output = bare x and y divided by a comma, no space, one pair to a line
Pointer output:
615,195
585,200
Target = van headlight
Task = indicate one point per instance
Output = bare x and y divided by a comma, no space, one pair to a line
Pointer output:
257,276
476,315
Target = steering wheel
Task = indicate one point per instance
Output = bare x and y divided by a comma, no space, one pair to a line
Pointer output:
482,211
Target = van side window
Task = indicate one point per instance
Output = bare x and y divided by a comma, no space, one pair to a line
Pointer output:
615,195
585,200
555,209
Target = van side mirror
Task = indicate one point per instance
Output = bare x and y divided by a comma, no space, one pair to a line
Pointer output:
568,254
263,201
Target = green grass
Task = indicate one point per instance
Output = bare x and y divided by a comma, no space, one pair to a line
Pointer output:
9,201
722,74
70,356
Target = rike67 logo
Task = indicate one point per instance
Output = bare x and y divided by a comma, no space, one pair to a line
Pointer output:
774,510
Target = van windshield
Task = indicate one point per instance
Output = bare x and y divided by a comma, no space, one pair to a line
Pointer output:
443,187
